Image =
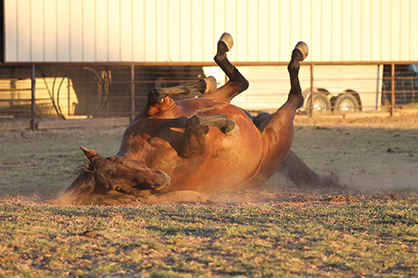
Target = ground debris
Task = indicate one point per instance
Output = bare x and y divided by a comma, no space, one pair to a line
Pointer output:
338,199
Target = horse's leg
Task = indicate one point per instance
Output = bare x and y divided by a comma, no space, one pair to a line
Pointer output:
277,128
194,141
159,98
237,82
205,85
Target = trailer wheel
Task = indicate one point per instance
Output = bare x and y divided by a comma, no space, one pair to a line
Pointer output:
346,103
321,104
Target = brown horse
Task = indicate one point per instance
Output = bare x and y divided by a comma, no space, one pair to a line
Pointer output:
204,144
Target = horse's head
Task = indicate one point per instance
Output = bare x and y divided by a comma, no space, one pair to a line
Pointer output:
112,176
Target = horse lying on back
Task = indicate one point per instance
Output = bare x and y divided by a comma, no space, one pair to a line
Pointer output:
204,144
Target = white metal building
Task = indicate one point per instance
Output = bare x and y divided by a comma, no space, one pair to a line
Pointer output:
186,31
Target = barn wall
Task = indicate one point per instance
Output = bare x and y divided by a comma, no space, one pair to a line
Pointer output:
187,30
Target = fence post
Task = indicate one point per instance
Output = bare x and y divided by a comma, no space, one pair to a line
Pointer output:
392,86
311,101
33,102
132,93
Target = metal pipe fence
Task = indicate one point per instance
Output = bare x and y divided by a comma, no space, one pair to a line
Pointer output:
39,92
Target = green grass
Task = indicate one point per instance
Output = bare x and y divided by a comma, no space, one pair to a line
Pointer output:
267,240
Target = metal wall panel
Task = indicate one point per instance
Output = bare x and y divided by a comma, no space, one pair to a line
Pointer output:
412,37
63,30
187,30
37,31
76,30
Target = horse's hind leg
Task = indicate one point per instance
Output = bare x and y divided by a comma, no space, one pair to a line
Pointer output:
237,82
277,128
194,141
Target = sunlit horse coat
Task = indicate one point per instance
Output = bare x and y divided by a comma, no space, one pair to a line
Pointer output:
204,144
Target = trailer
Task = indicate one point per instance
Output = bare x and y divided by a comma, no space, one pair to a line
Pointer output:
337,88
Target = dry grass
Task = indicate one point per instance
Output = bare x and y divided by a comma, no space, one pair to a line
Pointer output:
321,238
369,229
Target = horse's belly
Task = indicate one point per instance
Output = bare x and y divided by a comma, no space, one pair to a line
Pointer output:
229,163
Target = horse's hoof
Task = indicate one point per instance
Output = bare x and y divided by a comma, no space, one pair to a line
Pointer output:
303,48
211,84
233,131
227,39
231,128
163,183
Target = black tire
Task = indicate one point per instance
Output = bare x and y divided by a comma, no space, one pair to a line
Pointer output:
321,104
346,103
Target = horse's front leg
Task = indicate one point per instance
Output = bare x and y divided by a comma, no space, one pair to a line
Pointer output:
194,142
158,99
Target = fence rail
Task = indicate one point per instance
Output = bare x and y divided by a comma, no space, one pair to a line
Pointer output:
39,92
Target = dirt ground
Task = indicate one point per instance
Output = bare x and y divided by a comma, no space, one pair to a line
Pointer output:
401,120
281,191
365,152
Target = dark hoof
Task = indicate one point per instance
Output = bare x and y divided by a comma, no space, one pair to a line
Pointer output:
233,131
227,40
230,128
303,48
163,183
211,84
